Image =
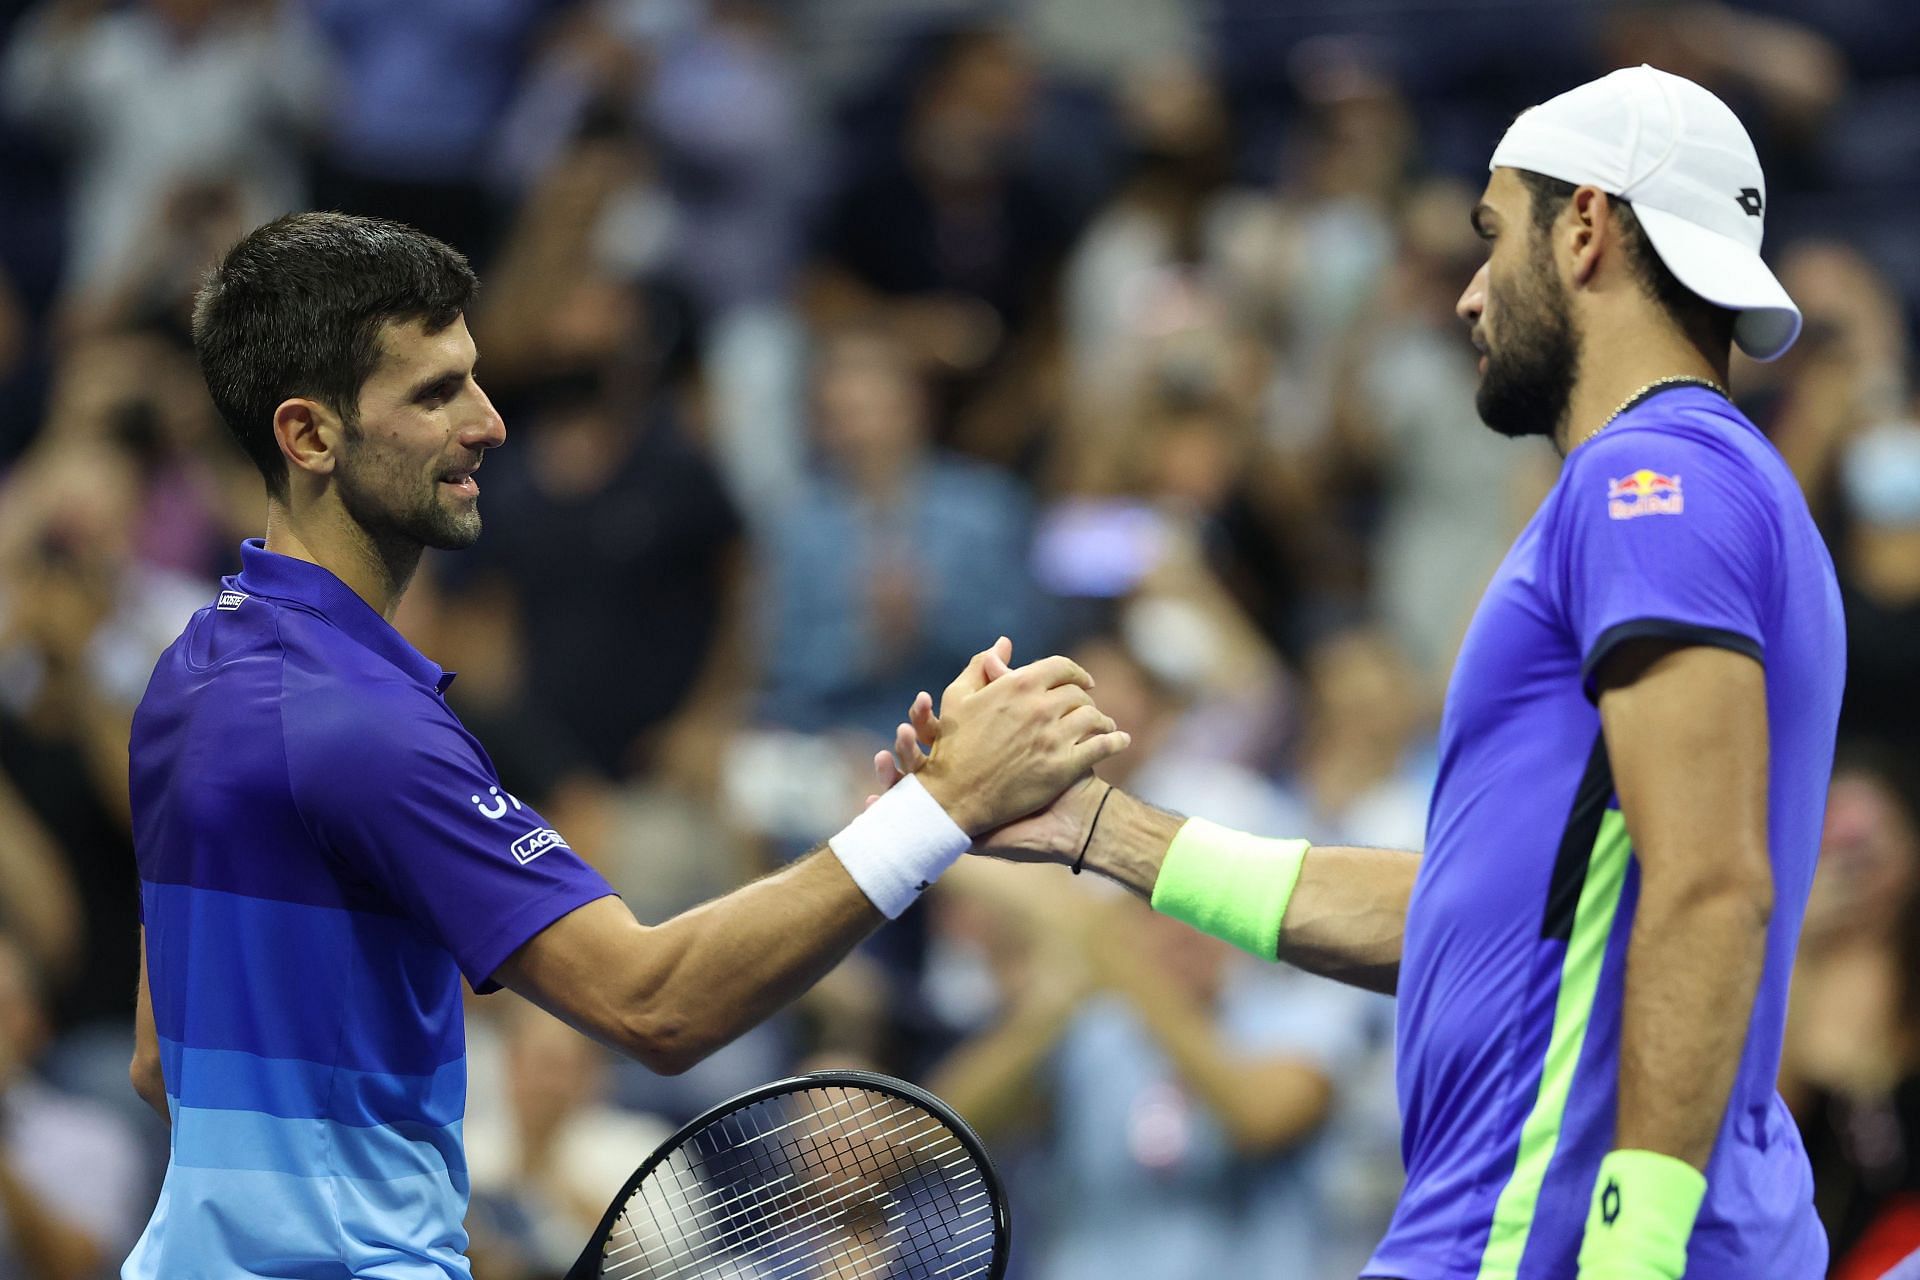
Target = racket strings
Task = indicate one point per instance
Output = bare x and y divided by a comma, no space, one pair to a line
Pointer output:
835,1183
740,1210
801,1211
846,1135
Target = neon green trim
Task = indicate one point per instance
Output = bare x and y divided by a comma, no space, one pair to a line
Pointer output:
1579,980
1229,884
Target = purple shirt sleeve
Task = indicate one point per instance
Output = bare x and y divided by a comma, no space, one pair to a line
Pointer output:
1661,535
405,798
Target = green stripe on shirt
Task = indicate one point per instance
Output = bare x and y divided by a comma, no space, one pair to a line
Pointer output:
1579,979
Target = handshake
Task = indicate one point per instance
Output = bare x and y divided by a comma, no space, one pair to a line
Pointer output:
1010,755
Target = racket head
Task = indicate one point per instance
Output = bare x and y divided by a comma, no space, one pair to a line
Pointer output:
888,1108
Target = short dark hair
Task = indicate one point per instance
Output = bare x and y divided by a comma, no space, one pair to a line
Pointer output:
296,309
1705,322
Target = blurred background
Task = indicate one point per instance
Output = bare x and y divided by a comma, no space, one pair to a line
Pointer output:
836,338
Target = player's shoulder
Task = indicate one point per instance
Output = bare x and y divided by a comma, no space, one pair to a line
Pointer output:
1657,451
348,705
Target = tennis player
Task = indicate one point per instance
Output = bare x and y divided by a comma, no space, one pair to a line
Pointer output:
1592,956
325,852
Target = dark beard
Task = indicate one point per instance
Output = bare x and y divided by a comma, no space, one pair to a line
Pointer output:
1530,379
372,496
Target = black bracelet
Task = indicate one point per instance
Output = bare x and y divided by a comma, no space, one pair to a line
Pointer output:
1080,862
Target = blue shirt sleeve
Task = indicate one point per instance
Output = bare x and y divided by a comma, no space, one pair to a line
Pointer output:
397,790
1662,535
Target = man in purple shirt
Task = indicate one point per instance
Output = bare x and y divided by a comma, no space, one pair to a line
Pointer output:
324,852
1592,956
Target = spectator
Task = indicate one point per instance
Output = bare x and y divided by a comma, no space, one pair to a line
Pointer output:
895,559
1364,768
138,394
571,294
1848,371
1183,1083
546,1165
1852,1060
615,538
422,88
1175,430
156,99
81,624
763,262
1360,778
1180,156
39,903
1443,496
945,238
1878,557
72,1175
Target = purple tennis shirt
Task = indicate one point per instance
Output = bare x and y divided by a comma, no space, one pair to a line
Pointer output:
324,852
1679,521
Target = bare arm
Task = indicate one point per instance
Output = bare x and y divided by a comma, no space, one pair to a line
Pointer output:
671,994
145,1071
1348,913
1345,921
1686,732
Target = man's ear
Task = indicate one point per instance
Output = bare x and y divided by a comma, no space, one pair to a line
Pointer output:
1593,226
310,435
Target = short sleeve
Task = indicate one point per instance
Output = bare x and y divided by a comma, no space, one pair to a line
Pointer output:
1661,535
396,789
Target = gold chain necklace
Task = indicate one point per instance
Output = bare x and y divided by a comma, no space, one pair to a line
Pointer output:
1671,380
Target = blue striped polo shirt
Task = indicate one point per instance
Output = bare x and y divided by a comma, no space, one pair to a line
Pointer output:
324,853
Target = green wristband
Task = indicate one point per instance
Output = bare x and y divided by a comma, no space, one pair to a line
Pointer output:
1644,1204
1229,884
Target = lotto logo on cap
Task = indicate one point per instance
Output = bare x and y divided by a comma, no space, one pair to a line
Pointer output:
1684,161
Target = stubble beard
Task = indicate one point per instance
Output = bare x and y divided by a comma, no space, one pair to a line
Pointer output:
389,503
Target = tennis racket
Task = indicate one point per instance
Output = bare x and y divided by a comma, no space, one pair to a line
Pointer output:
838,1175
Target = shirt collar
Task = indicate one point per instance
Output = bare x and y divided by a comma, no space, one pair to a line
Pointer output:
268,573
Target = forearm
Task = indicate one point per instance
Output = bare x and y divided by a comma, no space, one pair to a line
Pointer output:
1693,965
710,974
51,1248
1347,915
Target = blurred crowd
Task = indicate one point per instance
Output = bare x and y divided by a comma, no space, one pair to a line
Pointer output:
836,338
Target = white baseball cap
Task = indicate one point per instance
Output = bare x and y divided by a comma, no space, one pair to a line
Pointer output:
1684,161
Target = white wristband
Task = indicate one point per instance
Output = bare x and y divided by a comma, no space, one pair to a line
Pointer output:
898,847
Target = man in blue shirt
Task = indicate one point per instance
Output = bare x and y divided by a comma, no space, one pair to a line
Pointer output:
1592,956
324,852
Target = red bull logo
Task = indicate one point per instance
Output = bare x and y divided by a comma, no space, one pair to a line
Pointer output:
1644,493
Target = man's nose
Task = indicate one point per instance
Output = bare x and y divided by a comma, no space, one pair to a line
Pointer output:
489,430
1473,301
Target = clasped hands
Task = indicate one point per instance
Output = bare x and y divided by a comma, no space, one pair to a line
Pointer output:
1016,751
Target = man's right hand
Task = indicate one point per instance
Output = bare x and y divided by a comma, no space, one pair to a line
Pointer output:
1011,741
